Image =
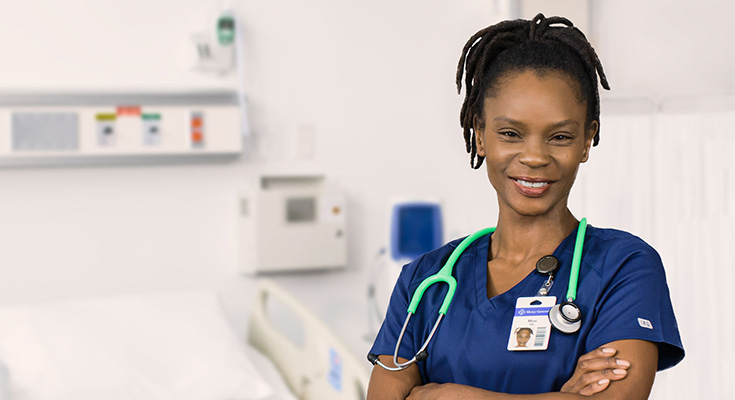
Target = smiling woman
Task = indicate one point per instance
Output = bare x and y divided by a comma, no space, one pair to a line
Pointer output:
531,111
534,139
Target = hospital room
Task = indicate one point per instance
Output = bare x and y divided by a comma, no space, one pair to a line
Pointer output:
240,199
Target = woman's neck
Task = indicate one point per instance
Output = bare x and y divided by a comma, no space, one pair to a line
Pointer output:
518,238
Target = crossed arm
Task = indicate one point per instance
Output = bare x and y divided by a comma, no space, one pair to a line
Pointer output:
598,375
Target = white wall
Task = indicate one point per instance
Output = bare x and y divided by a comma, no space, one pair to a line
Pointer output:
373,80
98,45
660,48
382,104
77,231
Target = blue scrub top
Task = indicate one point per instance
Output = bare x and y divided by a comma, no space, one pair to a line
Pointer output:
621,280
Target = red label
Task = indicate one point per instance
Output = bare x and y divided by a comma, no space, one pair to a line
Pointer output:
133,111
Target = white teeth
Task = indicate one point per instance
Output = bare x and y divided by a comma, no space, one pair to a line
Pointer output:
532,184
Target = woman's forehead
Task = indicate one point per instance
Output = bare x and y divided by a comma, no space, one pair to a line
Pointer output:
540,74
528,96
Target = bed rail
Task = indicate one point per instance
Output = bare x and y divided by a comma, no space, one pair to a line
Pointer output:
320,369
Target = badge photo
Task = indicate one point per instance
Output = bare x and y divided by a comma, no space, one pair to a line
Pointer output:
531,327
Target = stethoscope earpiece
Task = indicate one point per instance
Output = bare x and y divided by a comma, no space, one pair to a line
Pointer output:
566,317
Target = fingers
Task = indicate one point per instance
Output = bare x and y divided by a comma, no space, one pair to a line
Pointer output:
599,353
597,376
595,387
599,364
601,359
595,382
595,370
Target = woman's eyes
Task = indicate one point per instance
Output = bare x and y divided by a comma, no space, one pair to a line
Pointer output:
509,134
561,137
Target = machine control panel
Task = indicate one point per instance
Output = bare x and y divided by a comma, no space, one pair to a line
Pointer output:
66,129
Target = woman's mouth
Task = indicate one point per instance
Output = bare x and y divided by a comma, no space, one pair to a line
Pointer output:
531,184
532,187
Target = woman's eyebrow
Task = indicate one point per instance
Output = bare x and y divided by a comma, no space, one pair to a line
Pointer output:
563,123
509,120
555,125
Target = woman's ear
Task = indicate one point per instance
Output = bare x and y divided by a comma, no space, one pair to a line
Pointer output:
479,130
591,133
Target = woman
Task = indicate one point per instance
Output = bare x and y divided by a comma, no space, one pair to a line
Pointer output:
531,111
523,335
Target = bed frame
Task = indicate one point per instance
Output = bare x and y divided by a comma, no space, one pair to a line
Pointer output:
323,368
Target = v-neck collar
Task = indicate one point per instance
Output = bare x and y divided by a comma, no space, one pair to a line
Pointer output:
527,287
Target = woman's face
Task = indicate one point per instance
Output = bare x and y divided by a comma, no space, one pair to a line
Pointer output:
522,337
533,140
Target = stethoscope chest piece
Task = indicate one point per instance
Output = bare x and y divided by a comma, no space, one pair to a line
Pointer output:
566,317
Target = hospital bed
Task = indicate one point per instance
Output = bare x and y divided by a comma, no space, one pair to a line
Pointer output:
171,345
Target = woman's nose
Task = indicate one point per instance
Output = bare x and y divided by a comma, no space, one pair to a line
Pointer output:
534,155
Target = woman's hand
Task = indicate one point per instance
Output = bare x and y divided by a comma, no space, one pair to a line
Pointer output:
595,370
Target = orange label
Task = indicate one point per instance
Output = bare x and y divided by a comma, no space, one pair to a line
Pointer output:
133,111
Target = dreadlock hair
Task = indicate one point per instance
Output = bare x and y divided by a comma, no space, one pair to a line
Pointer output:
518,45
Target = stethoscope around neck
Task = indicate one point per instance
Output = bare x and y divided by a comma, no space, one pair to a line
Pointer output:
566,317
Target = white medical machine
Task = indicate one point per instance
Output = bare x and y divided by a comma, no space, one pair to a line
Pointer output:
292,223
416,228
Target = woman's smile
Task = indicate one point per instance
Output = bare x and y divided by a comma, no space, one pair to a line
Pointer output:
533,138
532,187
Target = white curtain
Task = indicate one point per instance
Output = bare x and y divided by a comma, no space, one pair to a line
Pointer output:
613,188
694,214
670,179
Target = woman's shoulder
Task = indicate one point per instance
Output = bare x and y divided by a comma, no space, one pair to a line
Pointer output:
616,239
431,262
619,248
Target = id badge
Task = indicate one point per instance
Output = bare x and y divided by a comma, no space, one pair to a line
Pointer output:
531,327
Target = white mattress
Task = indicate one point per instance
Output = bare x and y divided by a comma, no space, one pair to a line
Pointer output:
158,346
269,372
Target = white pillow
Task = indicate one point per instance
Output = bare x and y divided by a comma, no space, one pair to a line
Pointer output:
154,346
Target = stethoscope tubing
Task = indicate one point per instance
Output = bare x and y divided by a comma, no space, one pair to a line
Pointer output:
445,275
576,261
401,366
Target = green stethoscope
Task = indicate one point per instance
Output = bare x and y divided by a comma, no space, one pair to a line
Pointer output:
566,317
